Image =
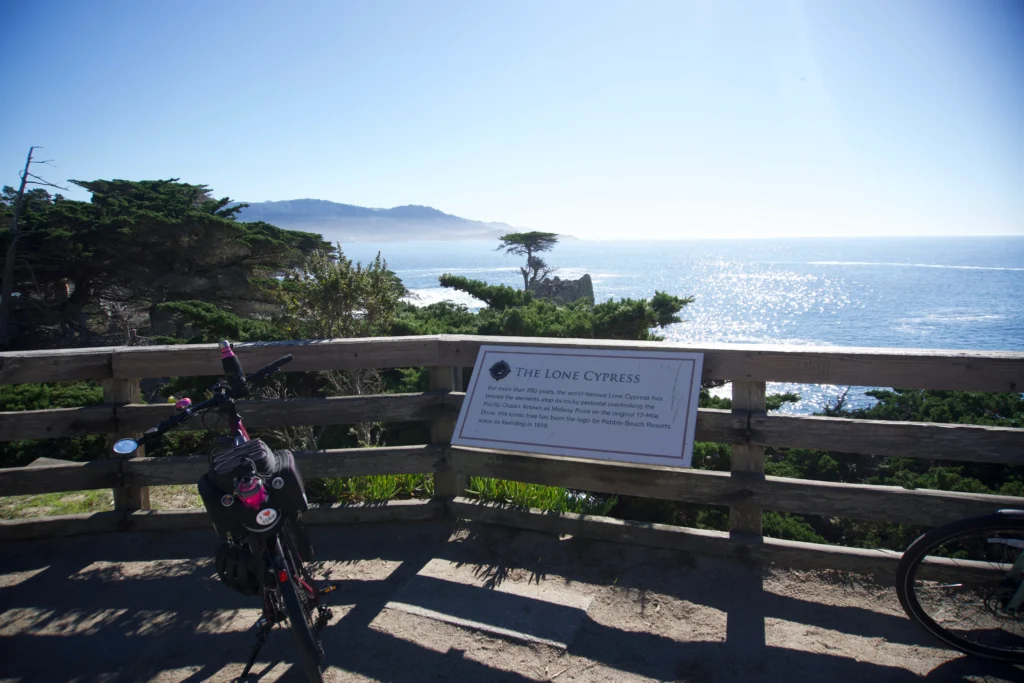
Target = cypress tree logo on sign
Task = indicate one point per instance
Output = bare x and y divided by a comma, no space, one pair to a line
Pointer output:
500,370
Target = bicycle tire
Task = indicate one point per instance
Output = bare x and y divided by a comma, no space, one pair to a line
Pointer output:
302,630
912,560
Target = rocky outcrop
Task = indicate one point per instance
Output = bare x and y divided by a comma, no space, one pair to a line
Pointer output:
564,291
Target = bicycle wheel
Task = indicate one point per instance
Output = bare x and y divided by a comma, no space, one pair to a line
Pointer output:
300,614
957,580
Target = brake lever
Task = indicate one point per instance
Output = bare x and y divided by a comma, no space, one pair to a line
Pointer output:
227,387
151,437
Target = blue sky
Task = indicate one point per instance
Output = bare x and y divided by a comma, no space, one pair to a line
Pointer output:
660,120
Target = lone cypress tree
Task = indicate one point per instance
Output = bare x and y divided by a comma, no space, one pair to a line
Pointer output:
529,244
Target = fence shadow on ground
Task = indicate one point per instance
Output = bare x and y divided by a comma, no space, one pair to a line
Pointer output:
147,606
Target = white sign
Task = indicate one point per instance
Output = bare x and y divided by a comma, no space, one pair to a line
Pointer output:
634,406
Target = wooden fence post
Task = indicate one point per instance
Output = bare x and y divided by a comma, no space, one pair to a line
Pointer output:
120,392
446,484
747,460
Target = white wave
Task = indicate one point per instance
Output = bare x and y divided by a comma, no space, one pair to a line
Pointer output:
951,319
433,295
569,273
813,397
724,391
908,265
453,269
693,332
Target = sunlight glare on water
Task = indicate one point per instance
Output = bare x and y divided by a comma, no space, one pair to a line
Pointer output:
948,293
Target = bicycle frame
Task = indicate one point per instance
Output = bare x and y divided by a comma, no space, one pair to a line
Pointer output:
239,435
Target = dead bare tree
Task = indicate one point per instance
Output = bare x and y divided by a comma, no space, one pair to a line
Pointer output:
341,383
836,407
7,286
123,320
359,383
299,438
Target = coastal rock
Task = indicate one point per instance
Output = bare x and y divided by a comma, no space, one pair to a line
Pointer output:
564,291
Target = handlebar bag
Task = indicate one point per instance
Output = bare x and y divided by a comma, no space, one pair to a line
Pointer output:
281,479
239,461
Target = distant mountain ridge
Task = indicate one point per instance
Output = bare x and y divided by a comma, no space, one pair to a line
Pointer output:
349,223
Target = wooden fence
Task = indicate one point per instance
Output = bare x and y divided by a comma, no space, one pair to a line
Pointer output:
746,490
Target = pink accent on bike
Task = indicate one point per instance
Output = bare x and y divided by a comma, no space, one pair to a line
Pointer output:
183,403
241,430
252,493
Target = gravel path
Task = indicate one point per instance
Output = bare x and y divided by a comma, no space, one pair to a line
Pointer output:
148,607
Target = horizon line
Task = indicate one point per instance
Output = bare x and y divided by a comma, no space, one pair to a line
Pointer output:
707,239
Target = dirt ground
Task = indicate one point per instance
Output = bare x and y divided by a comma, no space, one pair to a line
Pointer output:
148,607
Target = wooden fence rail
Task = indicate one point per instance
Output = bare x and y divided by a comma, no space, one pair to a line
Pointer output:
963,443
102,419
747,427
997,371
19,367
102,474
856,501
908,368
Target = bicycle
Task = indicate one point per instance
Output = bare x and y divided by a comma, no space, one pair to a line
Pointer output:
256,497
964,583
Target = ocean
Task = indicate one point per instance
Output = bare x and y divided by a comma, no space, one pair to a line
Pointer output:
933,293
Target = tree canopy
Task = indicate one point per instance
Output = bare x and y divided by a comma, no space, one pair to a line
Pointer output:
327,297
518,313
529,244
80,265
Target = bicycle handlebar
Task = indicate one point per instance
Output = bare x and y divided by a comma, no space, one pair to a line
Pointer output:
260,376
238,387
